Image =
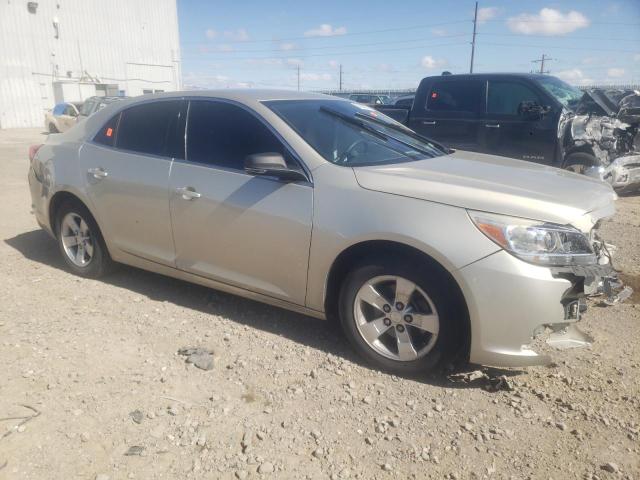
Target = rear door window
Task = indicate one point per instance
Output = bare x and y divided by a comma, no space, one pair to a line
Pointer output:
455,96
149,128
59,109
505,97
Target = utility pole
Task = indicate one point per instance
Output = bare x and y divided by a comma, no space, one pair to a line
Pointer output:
340,84
541,61
473,40
298,77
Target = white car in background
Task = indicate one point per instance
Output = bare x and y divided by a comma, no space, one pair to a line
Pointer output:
62,117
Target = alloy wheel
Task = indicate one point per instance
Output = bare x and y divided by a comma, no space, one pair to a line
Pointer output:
396,318
77,240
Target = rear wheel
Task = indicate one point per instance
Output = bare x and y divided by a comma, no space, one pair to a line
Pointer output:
80,241
52,128
399,317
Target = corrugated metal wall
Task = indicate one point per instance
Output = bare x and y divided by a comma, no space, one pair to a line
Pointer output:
132,43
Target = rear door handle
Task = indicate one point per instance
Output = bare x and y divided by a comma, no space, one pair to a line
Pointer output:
188,193
492,125
428,122
98,173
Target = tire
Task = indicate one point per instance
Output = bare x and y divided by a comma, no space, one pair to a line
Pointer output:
53,128
430,348
84,251
578,162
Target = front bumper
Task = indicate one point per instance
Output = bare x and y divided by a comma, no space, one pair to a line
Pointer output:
513,304
623,173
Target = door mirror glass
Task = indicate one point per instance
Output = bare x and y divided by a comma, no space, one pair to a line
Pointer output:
271,164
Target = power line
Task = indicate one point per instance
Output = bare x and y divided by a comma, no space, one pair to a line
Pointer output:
366,32
522,45
572,37
285,57
325,47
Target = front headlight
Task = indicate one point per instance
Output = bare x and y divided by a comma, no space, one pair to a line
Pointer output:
543,244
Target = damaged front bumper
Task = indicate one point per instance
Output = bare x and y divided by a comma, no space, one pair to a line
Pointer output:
526,309
623,173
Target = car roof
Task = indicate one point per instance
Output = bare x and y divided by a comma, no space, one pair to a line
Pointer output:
485,75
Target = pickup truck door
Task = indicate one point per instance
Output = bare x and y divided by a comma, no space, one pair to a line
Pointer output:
508,131
248,231
450,112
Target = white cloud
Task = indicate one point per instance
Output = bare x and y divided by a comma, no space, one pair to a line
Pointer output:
429,62
210,33
314,77
225,47
615,72
575,76
333,63
547,22
287,46
239,35
325,30
385,68
439,32
487,13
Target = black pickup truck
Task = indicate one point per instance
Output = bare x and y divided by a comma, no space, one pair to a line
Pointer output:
531,117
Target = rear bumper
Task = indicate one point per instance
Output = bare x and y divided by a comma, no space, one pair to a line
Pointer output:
514,305
39,201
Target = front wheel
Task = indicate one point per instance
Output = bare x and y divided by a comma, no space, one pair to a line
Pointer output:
398,317
80,241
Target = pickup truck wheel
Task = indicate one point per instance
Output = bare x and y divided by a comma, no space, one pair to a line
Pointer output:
579,162
398,317
80,241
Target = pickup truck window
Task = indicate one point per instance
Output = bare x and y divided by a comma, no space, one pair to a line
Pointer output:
455,96
504,97
350,134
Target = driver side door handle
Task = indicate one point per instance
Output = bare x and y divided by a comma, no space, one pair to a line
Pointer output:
98,173
188,193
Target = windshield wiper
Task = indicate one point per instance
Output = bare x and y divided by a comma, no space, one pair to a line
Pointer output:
406,131
356,122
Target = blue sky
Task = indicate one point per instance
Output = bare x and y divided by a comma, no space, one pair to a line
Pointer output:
383,44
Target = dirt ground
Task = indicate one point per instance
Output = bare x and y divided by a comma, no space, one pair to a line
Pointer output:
97,362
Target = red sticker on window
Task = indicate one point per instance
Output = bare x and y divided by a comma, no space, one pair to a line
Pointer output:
109,132
434,95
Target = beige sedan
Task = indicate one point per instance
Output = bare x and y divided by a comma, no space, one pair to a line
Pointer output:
326,207
62,117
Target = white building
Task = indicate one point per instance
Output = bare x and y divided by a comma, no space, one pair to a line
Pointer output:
67,50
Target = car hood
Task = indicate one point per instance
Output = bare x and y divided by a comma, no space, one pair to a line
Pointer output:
496,184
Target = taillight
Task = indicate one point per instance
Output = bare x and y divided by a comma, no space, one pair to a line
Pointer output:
33,149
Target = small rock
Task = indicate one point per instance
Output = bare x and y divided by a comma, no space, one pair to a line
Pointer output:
386,467
241,474
561,426
137,416
135,450
84,437
266,467
21,428
318,453
610,467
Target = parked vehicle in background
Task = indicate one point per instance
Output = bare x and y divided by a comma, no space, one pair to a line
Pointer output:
93,104
538,118
405,101
370,99
420,252
62,117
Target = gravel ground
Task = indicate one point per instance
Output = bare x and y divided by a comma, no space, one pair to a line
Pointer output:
97,361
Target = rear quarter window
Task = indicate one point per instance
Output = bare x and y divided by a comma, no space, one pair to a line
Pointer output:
107,134
455,96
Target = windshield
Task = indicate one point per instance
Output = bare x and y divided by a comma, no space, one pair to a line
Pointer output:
566,94
352,134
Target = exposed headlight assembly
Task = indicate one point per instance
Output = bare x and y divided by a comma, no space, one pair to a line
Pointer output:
543,244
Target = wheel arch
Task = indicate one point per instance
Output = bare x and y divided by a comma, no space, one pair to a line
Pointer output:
353,254
58,199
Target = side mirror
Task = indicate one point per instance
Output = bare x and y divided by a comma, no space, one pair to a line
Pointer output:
532,110
273,165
